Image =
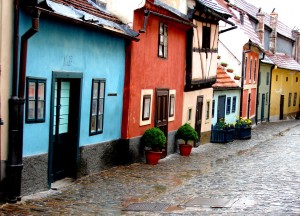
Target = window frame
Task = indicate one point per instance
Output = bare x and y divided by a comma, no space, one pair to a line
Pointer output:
228,105
206,36
172,105
98,98
36,100
250,71
233,108
207,110
145,97
268,78
163,38
245,68
295,99
290,100
213,109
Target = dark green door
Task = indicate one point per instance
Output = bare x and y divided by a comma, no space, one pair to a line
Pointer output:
65,127
221,107
263,98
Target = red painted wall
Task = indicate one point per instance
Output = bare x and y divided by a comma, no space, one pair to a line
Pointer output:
145,70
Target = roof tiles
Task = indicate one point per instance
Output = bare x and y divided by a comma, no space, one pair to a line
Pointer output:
283,61
224,81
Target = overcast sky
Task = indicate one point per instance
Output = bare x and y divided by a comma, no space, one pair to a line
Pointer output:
288,10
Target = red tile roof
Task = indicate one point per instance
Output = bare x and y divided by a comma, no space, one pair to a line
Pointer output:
284,61
224,81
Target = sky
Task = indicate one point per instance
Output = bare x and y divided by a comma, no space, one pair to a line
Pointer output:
288,10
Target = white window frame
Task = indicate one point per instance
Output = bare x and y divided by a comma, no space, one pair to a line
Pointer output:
172,118
146,92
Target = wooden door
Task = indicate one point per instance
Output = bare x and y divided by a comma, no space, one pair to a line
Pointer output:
221,107
161,113
198,120
281,107
263,98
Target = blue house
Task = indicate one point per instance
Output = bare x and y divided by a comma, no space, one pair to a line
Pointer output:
72,85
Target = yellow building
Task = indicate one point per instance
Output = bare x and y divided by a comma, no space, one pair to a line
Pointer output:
285,87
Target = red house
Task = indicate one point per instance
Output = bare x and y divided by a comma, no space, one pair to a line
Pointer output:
155,74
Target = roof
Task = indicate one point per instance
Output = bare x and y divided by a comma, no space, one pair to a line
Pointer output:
215,6
267,60
252,11
90,13
284,61
246,27
224,81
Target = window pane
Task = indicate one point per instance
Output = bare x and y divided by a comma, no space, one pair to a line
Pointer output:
165,41
102,90
172,104
31,91
160,52
95,89
94,107
41,106
161,28
100,121
93,124
41,91
166,30
166,52
31,110
101,106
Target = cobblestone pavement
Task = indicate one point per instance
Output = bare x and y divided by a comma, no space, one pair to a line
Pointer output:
260,176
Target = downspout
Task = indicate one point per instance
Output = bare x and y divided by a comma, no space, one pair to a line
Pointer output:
242,85
271,77
16,109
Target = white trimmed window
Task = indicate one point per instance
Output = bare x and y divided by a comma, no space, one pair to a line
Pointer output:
146,106
172,99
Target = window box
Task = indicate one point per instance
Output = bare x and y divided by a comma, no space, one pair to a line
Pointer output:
221,135
242,133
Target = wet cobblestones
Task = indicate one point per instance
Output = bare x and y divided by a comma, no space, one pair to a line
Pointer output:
261,176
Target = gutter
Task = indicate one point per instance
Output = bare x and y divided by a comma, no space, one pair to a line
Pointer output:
16,108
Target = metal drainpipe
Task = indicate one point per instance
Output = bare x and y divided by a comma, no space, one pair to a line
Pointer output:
16,111
257,90
242,85
270,88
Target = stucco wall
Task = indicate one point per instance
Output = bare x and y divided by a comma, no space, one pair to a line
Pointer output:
283,83
189,102
6,29
148,71
231,117
65,47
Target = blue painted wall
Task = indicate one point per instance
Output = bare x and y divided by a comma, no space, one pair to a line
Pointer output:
229,118
93,53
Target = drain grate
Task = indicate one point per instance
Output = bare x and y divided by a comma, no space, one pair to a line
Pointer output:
210,202
146,207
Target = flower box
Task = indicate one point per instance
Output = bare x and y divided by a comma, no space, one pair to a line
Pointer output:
242,133
221,135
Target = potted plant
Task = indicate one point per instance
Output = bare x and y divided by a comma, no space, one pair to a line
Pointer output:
224,64
236,77
186,133
243,128
222,132
154,141
229,70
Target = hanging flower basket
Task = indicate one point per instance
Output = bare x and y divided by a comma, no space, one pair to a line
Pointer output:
229,70
237,77
224,64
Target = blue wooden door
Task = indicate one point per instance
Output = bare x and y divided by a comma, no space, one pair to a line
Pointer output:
221,107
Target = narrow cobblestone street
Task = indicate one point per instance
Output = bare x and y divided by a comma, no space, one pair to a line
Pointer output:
260,176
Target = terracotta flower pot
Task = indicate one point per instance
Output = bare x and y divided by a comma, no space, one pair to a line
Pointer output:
229,70
185,149
224,64
153,157
237,78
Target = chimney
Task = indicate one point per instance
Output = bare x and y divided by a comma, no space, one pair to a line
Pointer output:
296,35
273,36
260,30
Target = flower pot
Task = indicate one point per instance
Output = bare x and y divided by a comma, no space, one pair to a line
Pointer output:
237,78
185,149
224,64
229,70
153,157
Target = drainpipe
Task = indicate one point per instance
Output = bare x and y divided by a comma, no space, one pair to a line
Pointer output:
271,77
16,109
257,92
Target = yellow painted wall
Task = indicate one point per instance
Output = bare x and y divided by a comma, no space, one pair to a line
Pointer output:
6,29
284,82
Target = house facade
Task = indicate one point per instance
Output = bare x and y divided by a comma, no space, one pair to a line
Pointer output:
226,100
201,65
154,81
72,84
6,67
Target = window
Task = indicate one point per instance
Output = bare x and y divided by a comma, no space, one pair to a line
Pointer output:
286,79
228,105
267,97
295,99
268,78
207,109
254,76
250,70
97,106
245,68
276,78
206,37
163,41
213,108
146,107
290,99
233,104
172,105
35,100
296,79
189,114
